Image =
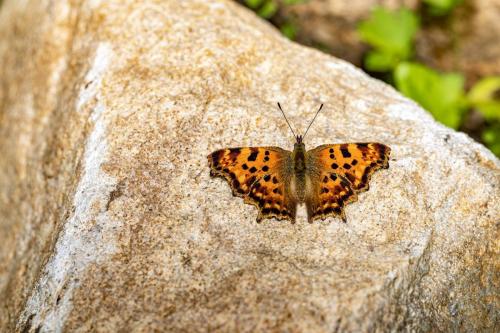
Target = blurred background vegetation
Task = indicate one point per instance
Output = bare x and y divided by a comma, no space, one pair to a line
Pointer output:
444,54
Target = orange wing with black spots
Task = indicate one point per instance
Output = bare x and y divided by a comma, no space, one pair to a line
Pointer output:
354,161
331,192
338,172
259,175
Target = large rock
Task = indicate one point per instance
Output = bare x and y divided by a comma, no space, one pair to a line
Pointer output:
110,221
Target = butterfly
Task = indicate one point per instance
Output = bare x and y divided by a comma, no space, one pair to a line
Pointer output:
276,180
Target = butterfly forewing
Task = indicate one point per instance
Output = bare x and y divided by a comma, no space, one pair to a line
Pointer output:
354,161
259,175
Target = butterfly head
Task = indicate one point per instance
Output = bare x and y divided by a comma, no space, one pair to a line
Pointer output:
299,144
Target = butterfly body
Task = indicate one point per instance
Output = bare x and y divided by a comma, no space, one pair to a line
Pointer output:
299,176
275,180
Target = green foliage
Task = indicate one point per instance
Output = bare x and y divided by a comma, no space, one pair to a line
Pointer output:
289,29
441,7
391,35
485,97
268,8
254,4
264,8
293,2
440,94
491,136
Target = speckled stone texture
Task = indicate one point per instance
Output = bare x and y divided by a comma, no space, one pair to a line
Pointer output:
110,221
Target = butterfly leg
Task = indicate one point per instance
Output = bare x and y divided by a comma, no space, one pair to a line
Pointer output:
310,211
292,208
342,216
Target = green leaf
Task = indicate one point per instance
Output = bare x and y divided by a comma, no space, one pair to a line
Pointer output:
254,4
441,7
491,136
390,32
440,94
289,30
293,2
485,97
376,61
268,9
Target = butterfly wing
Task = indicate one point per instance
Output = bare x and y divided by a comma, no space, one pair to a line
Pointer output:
331,192
261,175
338,172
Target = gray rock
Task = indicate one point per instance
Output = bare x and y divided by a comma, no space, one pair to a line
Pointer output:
111,222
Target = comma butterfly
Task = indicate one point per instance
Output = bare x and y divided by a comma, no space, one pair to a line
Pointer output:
275,180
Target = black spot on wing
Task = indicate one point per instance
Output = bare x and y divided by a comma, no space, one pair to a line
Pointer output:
275,211
382,149
233,153
345,152
253,156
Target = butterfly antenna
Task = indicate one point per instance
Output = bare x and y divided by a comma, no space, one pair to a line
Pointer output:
279,106
312,121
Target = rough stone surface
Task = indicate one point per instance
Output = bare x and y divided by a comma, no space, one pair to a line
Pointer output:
466,41
110,221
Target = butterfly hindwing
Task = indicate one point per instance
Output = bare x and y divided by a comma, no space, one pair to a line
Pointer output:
331,192
259,175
